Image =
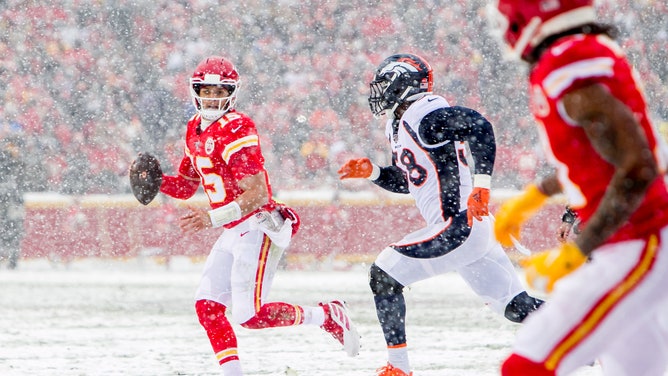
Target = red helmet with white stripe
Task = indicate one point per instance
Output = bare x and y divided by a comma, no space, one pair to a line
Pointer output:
214,71
526,23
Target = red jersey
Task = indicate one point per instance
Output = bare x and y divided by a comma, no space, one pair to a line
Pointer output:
571,63
219,157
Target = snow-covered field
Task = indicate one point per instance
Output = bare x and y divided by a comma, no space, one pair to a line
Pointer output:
136,317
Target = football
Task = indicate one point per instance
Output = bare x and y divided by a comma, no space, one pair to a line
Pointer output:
145,177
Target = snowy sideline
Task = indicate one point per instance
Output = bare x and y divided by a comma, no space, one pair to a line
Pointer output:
136,317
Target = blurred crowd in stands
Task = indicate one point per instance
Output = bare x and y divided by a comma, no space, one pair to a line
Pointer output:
86,85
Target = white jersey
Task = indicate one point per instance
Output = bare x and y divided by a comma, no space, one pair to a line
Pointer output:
439,177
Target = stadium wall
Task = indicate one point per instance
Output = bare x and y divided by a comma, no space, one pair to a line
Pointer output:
338,227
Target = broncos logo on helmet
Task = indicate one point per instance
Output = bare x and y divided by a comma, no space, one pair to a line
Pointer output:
398,79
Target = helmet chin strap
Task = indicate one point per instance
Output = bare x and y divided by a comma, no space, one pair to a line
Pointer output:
390,114
403,99
412,98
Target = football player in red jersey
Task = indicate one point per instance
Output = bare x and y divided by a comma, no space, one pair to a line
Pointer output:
609,161
222,152
428,139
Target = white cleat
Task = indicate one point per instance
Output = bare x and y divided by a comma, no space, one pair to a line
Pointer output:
338,324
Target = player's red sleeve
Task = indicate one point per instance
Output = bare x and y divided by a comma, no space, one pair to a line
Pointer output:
242,152
247,162
184,185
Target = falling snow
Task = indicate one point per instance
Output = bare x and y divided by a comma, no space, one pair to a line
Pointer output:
136,317
86,85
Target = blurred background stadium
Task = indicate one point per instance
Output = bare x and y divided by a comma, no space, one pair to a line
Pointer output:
86,85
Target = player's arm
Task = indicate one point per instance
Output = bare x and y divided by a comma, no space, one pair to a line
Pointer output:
618,137
247,164
184,185
391,178
465,124
462,124
255,195
479,134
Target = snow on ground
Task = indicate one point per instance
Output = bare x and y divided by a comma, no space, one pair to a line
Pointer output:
136,317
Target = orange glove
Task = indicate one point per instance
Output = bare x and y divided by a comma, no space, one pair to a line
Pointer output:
356,168
544,269
478,203
514,212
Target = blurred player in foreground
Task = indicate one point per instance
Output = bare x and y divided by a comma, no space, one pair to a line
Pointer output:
223,154
593,120
428,140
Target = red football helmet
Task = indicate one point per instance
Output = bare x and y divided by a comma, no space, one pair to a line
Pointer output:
214,71
526,23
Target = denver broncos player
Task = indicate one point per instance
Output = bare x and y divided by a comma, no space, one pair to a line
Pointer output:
428,138
222,152
592,118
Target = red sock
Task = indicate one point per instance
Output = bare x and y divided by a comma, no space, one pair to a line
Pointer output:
272,315
221,335
519,365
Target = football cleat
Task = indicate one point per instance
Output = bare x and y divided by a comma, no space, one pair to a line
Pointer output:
390,370
338,324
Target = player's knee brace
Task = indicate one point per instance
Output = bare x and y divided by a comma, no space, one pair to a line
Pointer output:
382,283
521,306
